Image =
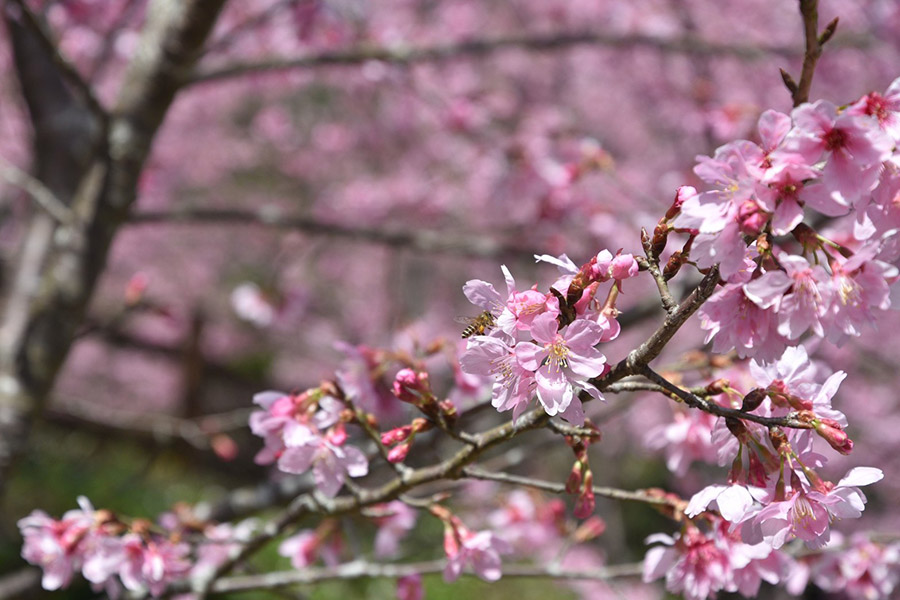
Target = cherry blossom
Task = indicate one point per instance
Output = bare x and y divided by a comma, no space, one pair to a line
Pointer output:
480,550
563,362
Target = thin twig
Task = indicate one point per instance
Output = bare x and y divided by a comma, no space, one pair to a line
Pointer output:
422,240
41,194
711,407
809,10
360,569
650,349
560,488
406,55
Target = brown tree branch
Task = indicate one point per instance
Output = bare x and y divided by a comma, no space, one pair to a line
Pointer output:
68,71
403,55
809,10
560,488
650,349
39,192
711,407
420,240
360,569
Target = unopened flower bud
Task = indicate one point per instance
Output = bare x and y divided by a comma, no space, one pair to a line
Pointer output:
751,218
590,529
419,425
682,194
411,386
410,588
337,435
718,386
674,264
753,399
737,429
584,506
779,442
834,434
396,435
398,453
224,446
623,266
659,239
573,483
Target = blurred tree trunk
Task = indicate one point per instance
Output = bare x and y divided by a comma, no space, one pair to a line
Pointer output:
90,159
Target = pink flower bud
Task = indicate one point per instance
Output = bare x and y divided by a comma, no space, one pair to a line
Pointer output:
835,435
683,193
584,506
337,435
751,218
398,453
451,541
411,386
398,434
590,529
573,484
224,446
623,266
410,588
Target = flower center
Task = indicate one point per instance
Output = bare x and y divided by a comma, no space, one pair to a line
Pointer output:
558,354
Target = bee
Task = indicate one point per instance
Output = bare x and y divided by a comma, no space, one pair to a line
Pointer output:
477,325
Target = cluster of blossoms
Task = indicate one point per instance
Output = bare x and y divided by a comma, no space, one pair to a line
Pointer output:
114,556
835,161
307,430
544,343
775,492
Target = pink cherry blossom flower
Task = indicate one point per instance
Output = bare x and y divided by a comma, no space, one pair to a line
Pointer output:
522,307
782,192
732,320
862,571
686,439
861,285
732,501
789,374
853,147
800,295
492,357
563,363
219,541
807,515
410,588
54,545
307,546
331,463
532,529
152,565
480,550
692,563
885,109
393,527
